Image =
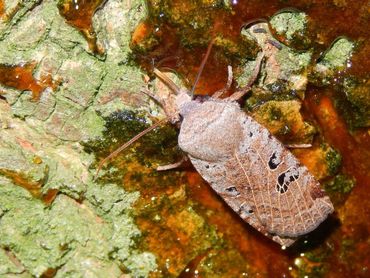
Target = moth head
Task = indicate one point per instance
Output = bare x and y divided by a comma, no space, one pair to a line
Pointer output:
175,103
184,103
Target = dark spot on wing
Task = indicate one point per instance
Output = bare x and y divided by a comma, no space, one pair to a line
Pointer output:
232,191
274,162
245,210
284,180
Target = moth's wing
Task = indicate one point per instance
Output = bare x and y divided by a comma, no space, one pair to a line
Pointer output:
287,199
218,176
267,186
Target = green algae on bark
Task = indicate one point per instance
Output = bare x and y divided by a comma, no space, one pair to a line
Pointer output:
357,93
322,160
159,146
283,119
339,188
88,229
333,159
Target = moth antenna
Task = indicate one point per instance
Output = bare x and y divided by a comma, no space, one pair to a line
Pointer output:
219,93
165,60
124,146
167,80
209,48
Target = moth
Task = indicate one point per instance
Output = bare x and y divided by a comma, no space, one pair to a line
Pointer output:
256,175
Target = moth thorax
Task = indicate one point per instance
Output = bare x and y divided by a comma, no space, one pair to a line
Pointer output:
185,105
210,131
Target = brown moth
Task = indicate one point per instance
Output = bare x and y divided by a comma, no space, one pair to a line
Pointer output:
248,167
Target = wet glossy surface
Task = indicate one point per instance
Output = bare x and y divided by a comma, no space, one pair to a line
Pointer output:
79,13
2,8
330,251
339,248
327,21
21,77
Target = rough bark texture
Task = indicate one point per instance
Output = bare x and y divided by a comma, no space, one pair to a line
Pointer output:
87,230
60,104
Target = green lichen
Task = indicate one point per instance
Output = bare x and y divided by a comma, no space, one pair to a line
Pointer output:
113,204
285,65
289,23
15,11
21,45
14,160
68,235
140,263
22,228
9,266
96,235
339,53
334,60
293,62
245,75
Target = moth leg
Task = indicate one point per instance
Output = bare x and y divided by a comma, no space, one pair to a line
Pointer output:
219,93
150,94
166,80
284,242
239,94
173,165
124,146
298,146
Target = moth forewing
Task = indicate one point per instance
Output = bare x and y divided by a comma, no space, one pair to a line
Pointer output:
252,171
